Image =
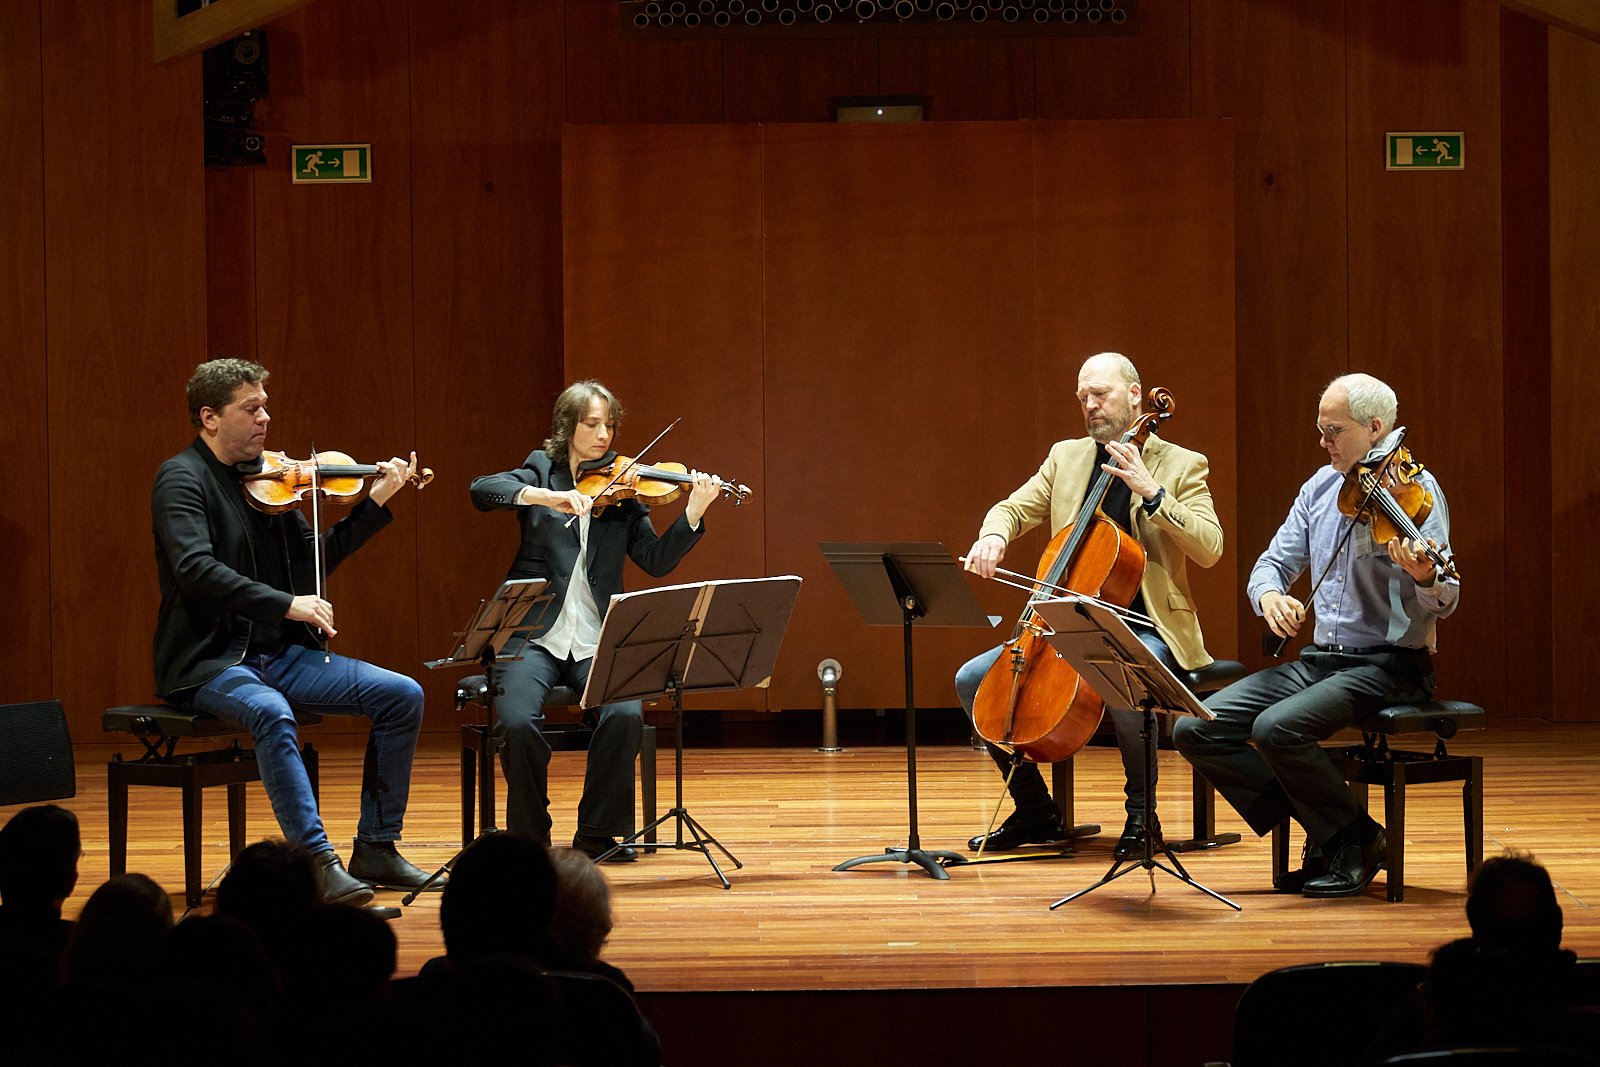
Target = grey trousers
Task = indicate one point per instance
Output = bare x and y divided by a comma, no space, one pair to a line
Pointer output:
606,807
1283,712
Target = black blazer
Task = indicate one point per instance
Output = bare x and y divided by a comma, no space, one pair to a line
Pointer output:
208,544
620,532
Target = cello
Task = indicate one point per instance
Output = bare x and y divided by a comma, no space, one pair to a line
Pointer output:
1032,702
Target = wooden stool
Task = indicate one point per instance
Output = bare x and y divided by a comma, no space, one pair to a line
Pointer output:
1373,762
561,736
158,727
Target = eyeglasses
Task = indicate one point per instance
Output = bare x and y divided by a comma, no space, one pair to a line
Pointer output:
1330,434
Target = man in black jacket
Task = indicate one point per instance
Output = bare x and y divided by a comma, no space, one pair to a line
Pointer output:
235,635
583,565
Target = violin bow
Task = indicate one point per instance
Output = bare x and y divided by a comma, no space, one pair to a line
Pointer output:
316,536
635,461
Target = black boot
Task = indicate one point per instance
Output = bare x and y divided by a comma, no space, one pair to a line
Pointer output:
1040,826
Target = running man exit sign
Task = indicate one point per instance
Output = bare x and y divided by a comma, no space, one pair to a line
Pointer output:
331,163
1425,151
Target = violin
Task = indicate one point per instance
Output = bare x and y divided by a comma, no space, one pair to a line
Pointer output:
1387,496
283,483
613,478
1032,702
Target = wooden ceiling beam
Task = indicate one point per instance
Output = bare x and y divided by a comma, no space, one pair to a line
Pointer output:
1581,17
177,36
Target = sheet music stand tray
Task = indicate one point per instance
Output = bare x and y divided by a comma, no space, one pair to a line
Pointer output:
1098,643
488,639
702,637
899,585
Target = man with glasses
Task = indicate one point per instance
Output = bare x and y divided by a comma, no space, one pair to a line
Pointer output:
1376,613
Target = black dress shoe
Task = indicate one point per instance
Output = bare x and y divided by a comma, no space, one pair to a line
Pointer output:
335,885
380,865
1131,844
1021,828
1312,865
1350,869
595,847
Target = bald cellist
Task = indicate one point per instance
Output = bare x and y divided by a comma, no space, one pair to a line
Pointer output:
1159,496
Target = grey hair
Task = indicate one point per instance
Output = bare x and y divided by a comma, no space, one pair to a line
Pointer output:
1367,398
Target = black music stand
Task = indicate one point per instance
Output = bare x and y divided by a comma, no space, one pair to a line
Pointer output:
898,585
701,637
1093,637
488,639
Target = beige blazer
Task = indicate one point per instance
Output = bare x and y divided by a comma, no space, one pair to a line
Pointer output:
1184,527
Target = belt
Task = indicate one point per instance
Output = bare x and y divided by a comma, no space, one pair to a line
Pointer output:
1374,650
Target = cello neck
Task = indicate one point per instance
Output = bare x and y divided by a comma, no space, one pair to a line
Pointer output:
1080,530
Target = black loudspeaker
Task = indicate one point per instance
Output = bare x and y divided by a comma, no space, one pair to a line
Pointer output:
235,73
235,76
35,753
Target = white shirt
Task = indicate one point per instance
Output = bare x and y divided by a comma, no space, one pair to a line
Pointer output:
576,631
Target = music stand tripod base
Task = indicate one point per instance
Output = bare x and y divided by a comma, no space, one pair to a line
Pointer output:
933,862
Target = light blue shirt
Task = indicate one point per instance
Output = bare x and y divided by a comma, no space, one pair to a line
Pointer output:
1367,599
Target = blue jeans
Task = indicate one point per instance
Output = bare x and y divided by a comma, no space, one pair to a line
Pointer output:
262,694
1027,784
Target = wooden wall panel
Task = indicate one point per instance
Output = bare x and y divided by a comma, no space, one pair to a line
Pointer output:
900,344
1291,257
781,80
1135,255
231,262
1526,376
1425,288
962,77
124,276
1143,74
335,297
26,651
487,98
1575,339
610,79
663,303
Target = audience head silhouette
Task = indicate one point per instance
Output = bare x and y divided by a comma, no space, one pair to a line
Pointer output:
39,850
1511,904
271,883
499,900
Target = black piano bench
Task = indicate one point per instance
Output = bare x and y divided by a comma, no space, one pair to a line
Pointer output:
159,727
1373,762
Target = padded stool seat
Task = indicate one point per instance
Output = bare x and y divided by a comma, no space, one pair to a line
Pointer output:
159,728
1374,762
562,736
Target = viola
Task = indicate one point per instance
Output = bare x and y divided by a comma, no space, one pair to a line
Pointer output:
283,484
1387,496
1032,702
613,478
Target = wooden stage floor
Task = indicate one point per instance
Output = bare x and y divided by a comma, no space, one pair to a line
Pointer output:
798,965
790,923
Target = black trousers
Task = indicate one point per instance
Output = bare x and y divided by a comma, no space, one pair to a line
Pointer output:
606,807
1262,751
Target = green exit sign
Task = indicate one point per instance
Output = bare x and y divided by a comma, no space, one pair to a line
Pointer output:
331,163
1426,151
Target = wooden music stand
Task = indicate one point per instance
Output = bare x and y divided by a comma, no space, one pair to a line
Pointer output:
488,639
702,637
